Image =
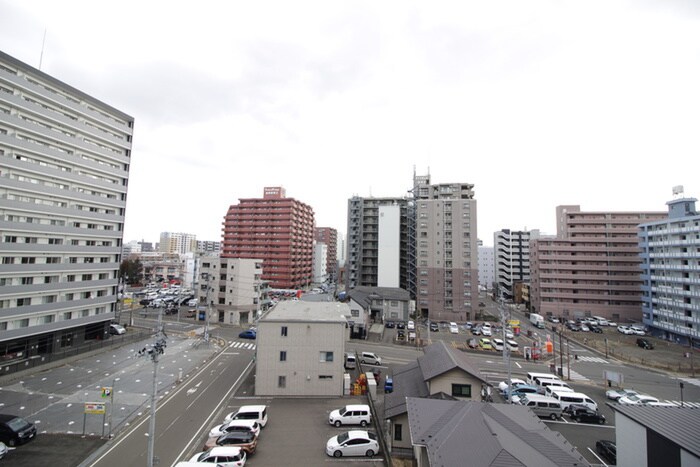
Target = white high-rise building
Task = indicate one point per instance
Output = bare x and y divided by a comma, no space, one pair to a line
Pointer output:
177,242
64,165
512,259
487,271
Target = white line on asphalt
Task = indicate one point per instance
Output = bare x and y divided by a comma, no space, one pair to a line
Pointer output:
596,456
518,364
160,406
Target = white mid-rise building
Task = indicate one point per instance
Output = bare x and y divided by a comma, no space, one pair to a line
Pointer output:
512,259
487,271
320,273
64,165
177,242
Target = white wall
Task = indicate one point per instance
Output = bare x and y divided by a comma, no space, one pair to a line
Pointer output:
389,246
631,440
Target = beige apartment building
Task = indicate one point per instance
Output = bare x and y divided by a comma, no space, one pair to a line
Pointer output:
592,267
301,349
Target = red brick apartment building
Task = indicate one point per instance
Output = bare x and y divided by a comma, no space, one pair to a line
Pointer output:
279,230
592,267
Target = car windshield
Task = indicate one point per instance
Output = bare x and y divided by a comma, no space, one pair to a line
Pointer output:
372,436
343,437
342,411
17,424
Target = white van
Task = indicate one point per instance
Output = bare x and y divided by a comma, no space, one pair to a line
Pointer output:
549,389
568,398
533,376
350,415
544,383
512,345
497,344
350,361
542,406
250,412
601,321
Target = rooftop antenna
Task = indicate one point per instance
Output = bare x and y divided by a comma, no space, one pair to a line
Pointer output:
43,42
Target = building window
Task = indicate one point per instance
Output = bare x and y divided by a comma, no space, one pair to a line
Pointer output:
325,376
326,356
398,435
24,301
462,390
281,381
283,355
284,331
355,313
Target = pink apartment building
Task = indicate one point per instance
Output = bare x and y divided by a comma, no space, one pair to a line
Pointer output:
592,267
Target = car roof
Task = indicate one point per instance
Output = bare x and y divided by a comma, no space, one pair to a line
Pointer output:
249,423
247,408
224,451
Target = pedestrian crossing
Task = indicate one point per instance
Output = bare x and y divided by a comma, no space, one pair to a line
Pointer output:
242,345
585,358
695,405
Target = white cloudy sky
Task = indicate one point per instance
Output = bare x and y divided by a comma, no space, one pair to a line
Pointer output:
537,103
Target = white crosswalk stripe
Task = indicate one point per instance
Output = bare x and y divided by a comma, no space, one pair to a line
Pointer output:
585,358
242,345
695,405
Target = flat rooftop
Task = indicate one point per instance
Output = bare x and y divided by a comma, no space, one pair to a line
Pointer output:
299,310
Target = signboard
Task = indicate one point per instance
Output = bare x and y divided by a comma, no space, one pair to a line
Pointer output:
106,392
95,407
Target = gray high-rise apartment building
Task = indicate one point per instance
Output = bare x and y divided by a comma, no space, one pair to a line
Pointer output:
64,165
377,242
671,272
512,260
446,254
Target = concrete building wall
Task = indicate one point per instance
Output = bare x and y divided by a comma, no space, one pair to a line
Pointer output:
320,263
405,441
388,271
592,267
631,441
487,271
64,164
303,367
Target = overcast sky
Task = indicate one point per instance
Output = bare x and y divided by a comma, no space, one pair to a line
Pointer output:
537,103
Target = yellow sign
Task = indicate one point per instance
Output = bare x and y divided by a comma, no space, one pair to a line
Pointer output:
95,408
128,301
514,322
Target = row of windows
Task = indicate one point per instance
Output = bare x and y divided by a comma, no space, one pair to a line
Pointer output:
282,380
49,318
28,280
324,356
57,260
63,186
45,299
54,241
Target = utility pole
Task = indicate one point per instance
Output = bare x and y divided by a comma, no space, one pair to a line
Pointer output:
157,349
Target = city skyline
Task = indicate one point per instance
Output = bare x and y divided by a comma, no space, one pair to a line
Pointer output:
537,105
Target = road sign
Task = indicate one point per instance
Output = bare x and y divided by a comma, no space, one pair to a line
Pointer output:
106,392
95,407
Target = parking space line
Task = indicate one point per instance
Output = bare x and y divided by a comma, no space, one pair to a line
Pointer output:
596,456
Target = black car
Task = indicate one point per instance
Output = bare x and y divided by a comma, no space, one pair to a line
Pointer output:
400,325
595,328
607,449
645,344
585,414
15,430
434,327
389,324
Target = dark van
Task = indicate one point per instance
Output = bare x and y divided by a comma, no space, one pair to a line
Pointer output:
15,430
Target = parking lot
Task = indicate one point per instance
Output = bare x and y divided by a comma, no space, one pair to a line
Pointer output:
297,431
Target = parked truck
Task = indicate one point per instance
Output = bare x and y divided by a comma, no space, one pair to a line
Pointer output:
537,320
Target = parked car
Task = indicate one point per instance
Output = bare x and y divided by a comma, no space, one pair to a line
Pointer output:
476,330
3,449
624,330
390,324
486,331
249,412
370,358
15,430
116,329
637,399
485,343
353,443
607,449
411,326
582,413
246,441
645,344
236,425
596,329
400,325
454,329
615,394
248,334
434,327
356,414
503,385
224,456
472,343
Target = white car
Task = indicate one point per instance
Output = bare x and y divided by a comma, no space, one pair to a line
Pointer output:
411,326
514,382
624,330
453,328
117,329
224,456
615,394
584,328
637,399
236,425
3,449
486,331
353,443
509,334
612,323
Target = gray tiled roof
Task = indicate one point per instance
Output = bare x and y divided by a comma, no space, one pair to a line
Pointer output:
408,381
438,359
680,425
361,294
486,434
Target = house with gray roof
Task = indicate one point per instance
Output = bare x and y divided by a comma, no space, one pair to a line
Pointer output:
441,372
450,433
657,436
378,305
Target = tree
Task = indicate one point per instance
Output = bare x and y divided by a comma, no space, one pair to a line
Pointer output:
131,270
